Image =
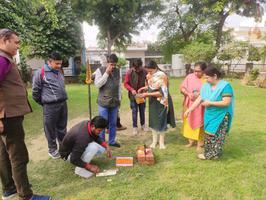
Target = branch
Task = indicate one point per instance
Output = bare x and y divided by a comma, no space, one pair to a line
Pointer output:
185,34
192,30
180,23
117,36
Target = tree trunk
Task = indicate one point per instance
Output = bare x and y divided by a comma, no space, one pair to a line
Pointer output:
109,47
223,17
109,43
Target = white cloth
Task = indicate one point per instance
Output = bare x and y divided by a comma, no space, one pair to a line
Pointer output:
91,150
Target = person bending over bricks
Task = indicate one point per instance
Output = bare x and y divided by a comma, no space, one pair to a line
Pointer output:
82,143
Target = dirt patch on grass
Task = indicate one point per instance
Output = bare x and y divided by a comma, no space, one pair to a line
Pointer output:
37,147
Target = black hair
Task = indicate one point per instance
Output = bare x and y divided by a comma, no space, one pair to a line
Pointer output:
137,63
55,56
212,71
6,34
201,64
112,58
152,65
99,122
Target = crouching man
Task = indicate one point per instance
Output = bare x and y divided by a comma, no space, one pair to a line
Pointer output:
82,143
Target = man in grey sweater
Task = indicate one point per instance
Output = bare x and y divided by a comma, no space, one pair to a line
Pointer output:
108,81
48,89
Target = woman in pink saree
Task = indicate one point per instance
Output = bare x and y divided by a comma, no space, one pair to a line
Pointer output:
193,124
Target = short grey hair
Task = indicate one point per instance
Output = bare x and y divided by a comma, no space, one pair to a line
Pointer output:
6,33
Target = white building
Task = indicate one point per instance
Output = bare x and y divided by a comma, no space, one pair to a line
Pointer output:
97,56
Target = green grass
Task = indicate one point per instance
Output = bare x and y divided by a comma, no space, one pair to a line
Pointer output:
239,174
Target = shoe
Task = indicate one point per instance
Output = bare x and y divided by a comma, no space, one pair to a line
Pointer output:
120,128
135,131
201,156
83,172
144,128
40,197
54,155
116,144
9,194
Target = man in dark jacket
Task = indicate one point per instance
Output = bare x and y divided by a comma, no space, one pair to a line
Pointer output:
134,80
48,89
13,106
82,143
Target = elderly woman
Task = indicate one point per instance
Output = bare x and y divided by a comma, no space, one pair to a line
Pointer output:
161,110
218,98
190,88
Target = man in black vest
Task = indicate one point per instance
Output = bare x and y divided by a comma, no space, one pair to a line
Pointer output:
108,80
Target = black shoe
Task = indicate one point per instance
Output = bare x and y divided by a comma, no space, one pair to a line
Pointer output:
9,194
116,144
120,128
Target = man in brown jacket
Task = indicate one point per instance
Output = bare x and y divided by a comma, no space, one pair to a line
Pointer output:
13,106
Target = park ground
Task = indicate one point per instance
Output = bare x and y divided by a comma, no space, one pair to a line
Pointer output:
178,174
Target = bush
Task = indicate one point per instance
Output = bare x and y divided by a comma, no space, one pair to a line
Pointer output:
82,78
24,69
235,75
254,73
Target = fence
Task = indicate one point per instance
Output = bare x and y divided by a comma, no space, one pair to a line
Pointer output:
240,68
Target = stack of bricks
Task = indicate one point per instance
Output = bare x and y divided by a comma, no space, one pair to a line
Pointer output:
145,156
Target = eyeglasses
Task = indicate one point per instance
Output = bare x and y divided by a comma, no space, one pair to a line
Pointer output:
198,71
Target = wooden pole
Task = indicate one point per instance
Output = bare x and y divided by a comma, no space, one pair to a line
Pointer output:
88,82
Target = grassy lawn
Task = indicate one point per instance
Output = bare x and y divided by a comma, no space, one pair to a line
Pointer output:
239,174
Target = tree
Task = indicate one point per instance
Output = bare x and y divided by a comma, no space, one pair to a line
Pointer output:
253,53
64,38
121,62
44,26
180,25
234,51
16,15
224,8
263,54
198,51
185,20
116,20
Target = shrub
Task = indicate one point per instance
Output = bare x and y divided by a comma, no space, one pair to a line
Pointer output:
254,73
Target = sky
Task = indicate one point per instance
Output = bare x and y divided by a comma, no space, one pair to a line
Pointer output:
151,34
